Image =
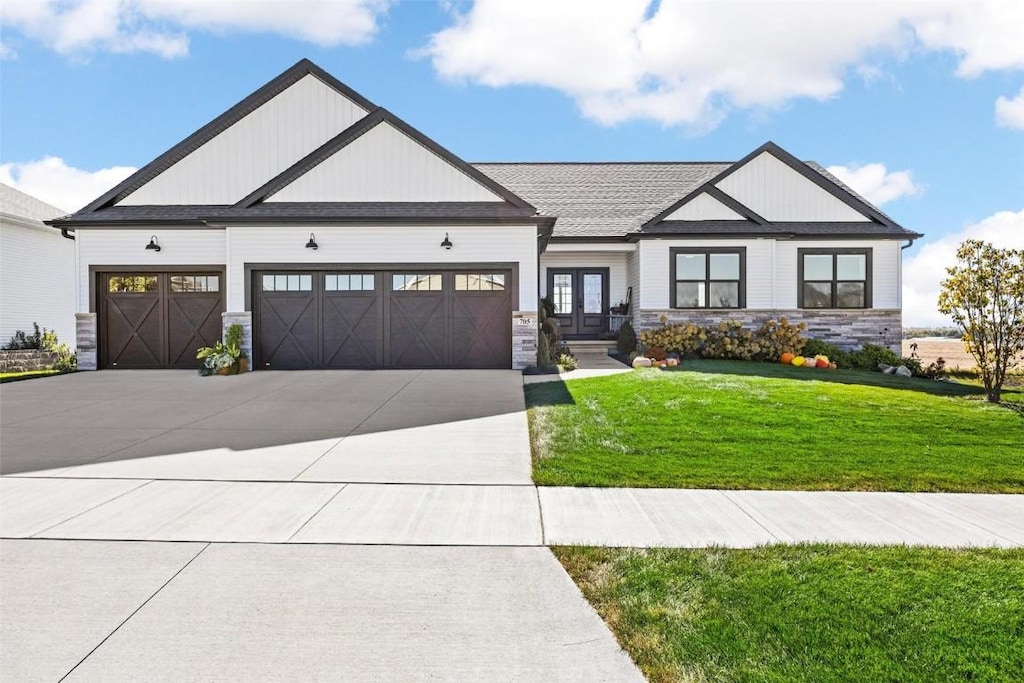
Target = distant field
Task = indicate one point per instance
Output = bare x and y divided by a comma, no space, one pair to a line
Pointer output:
930,348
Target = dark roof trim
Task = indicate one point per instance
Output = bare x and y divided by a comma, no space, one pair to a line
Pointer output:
795,164
218,125
735,205
217,222
780,234
709,188
359,128
594,238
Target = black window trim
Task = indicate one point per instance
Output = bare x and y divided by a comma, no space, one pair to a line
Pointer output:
707,251
868,253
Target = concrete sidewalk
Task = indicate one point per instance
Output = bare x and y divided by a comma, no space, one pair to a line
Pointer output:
494,515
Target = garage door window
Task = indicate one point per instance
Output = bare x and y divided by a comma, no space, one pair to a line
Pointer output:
132,283
479,282
195,283
419,282
287,283
349,282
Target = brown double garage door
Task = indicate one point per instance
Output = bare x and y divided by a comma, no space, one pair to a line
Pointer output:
157,320
383,318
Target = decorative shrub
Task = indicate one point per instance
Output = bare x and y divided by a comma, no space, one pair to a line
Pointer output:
656,353
683,338
543,352
42,339
626,341
867,358
233,338
568,362
780,336
819,347
729,340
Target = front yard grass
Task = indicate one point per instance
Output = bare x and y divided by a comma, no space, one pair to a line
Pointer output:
32,374
814,613
744,425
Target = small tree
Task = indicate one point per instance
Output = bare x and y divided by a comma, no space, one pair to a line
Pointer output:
984,294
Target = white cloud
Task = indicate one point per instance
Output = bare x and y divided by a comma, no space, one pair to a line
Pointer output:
692,61
924,271
63,186
876,183
73,27
1010,111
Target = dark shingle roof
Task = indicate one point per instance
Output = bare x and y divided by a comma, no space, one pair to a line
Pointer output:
601,199
307,211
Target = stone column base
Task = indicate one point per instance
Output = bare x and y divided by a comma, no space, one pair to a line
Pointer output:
243,318
85,341
524,339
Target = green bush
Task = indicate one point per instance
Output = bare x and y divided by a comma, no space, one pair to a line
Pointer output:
568,362
820,347
233,338
626,341
543,352
867,358
777,337
728,339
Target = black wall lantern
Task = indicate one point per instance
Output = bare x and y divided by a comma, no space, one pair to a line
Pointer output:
311,244
447,243
152,244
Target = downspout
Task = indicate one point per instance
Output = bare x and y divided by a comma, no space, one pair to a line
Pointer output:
65,235
909,244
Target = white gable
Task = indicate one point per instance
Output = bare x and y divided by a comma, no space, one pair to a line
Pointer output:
384,165
772,189
255,149
704,207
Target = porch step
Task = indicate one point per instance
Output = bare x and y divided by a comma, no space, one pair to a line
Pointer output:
591,345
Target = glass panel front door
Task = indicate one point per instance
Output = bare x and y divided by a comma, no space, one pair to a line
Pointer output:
580,298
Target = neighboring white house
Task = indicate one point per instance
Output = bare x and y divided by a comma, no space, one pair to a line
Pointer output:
339,236
37,268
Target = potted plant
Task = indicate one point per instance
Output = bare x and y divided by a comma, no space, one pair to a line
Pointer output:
224,358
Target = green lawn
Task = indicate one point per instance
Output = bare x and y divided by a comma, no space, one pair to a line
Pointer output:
17,376
811,613
720,424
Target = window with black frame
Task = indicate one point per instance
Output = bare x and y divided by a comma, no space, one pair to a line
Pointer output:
835,278
708,278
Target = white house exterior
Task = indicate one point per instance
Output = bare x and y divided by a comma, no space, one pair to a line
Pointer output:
37,268
339,236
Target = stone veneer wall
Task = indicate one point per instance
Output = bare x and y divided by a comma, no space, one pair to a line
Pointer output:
27,360
524,339
85,341
243,318
846,329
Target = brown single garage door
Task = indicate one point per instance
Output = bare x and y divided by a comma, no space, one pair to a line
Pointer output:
371,318
157,320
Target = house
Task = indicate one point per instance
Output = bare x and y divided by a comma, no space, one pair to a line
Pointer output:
339,236
37,269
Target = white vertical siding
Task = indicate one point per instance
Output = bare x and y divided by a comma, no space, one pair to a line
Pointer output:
384,245
615,262
384,165
704,207
633,280
37,281
254,149
778,193
655,270
124,247
885,269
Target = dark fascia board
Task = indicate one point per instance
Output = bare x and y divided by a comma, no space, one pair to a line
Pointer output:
216,223
573,239
352,133
635,237
218,125
798,166
709,188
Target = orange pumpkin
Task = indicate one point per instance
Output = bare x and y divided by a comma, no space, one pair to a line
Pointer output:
786,358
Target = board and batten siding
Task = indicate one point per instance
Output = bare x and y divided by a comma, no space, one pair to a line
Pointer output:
127,247
885,269
704,207
383,245
778,193
655,270
254,149
384,165
615,262
37,281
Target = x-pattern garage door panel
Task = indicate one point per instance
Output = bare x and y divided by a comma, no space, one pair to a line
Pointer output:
366,318
418,336
193,321
288,330
352,330
481,328
134,331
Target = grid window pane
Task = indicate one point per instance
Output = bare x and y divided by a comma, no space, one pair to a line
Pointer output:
851,267
690,294
479,282
330,283
268,283
724,295
348,282
424,282
850,295
817,295
461,281
306,283
817,266
367,283
132,283
281,283
725,266
691,266
561,286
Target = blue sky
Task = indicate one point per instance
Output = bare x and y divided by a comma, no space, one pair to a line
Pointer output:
914,94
